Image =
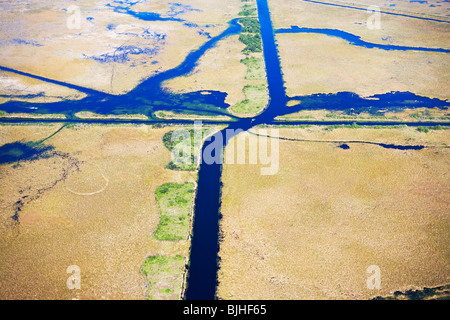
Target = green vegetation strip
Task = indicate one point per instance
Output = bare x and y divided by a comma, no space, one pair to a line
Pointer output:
170,142
248,10
252,42
250,25
174,201
165,276
255,68
255,100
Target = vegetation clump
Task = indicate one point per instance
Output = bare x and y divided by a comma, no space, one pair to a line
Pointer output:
174,201
170,144
255,68
248,10
250,25
164,275
252,42
255,99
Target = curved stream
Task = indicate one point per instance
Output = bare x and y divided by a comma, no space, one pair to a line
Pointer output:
356,40
202,274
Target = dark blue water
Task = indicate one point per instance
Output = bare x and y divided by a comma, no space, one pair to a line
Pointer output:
20,151
356,40
202,275
345,144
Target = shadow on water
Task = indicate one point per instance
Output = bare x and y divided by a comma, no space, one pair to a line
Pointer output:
21,151
204,260
27,151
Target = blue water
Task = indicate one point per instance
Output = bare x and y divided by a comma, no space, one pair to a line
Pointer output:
126,7
356,40
20,151
203,263
149,97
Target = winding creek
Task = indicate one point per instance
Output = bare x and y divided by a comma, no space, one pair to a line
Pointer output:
357,41
203,265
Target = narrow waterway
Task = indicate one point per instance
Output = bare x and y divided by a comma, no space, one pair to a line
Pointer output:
356,40
202,275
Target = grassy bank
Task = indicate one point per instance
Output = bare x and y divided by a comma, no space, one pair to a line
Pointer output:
255,100
164,275
174,201
255,68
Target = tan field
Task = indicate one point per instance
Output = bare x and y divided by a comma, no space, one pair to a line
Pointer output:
93,205
17,87
396,29
312,69
431,8
219,69
312,230
64,54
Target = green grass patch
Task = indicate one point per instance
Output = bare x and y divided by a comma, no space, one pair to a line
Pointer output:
255,99
174,201
436,127
250,25
164,275
170,143
248,10
252,42
255,68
